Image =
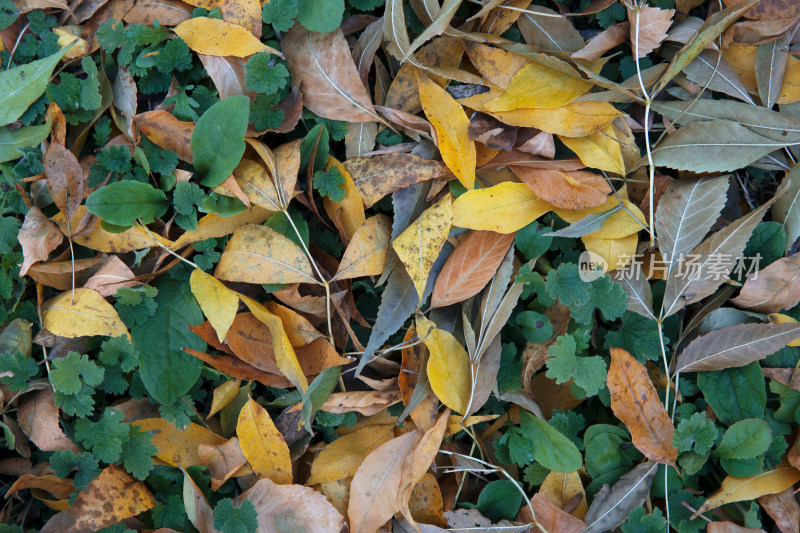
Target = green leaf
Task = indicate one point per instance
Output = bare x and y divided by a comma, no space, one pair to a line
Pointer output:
187,195
550,448
23,85
588,373
508,375
13,141
8,13
499,500
262,76
231,519
69,373
280,13
536,327
123,202
317,392
104,437
323,16
21,367
746,439
119,351
167,372
735,393
64,461
218,139
317,137
138,451
330,184
638,335
533,240
639,521
696,433
263,113
175,56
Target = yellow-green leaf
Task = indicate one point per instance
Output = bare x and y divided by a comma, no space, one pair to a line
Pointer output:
504,208
598,150
217,301
575,119
451,124
366,253
216,37
419,245
263,444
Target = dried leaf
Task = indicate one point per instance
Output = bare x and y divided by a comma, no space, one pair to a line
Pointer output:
263,444
38,237
612,505
38,418
576,119
367,251
292,506
635,401
574,190
504,208
216,37
772,289
448,366
111,276
649,27
167,132
379,175
179,447
64,179
538,86
80,313
341,458
783,509
736,489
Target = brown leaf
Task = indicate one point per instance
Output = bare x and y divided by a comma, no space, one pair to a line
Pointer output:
415,358
535,142
730,527
167,132
573,190
322,63
38,418
488,130
786,376
58,274
470,267
167,12
362,402
604,41
735,346
64,179
292,508
237,368
111,276
649,27
783,509
224,460
59,488
379,175
227,73
770,9
635,401
549,516
38,237
109,498
773,288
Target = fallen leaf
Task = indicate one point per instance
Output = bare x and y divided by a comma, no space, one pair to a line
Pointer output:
323,65
562,489
470,267
167,132
576,119
452,125
38,418
538,86
367,251
167,12
648,27
635,401
111,276
218,302
448,366
38,237
263,444
245,13
65,179
81,313
341,458
225,461
504,208
379,175
292,506
574,190
772,289
347,215
177,447
783,509
599,150
419,245
216,37
611,505
223,395
736,489
366,403
549,516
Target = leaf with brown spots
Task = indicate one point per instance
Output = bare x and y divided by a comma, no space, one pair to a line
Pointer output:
635,401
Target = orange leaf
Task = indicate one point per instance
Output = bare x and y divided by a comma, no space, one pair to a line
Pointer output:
635,401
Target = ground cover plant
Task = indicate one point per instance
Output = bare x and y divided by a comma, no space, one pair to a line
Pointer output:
354,265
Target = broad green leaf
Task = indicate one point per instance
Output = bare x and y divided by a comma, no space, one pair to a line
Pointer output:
321,16
735,393
21,86
745,439
550,448
167,372
218,139
714,146
12,141
123,202
500,499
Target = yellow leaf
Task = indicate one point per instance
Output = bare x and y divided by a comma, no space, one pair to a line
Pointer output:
743,60
341,458
736,489
561,489
256,183
458,423
213,226
619,224
451,124
216,37
87,315
538,86
263,444
223,395
448,366
285,357
504,208
347,215
246,13
176,447
777,318
366,253
576,119
598,150
259,254
419,245
98,239
298,328
615,252
217,301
